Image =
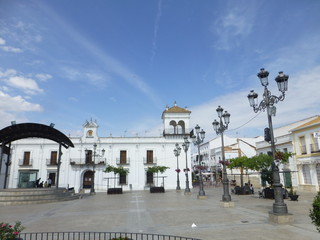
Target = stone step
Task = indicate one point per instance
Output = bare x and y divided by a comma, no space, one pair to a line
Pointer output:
32,196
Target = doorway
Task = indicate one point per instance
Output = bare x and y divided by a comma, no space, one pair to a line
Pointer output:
87,179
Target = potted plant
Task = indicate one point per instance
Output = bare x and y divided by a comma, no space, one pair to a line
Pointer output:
116,170
157,169
293,195
315,211
9,232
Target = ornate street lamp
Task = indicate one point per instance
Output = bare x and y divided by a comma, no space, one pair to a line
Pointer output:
185,146
197,140
219,127
177,152
92,190
268,101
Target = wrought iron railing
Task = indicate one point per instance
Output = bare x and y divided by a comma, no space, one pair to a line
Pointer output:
98,236
314,147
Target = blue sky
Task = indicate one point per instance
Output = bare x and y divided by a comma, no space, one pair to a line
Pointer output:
122,62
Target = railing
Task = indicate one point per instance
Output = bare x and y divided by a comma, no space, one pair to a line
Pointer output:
179,131
51,162
314,148
24,163
82,161
98,236
148,161
303,149
120,161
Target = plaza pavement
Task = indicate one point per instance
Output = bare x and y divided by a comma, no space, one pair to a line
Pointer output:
170,213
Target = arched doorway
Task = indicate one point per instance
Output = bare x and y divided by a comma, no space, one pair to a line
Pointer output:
87,179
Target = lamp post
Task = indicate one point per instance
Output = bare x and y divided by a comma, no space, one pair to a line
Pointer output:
185,146
219,127
268,101
197,140
177,152
92,190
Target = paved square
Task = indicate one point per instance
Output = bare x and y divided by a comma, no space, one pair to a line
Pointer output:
170,213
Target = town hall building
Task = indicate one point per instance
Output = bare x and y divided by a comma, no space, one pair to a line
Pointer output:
84,164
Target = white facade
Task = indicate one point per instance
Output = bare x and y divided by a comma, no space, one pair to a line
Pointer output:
284,141
306,139
133,153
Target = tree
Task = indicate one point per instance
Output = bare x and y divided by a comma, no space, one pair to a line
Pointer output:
261,162
315,211
240,162
157,169
116,170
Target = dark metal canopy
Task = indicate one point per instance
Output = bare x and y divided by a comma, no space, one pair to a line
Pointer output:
36,130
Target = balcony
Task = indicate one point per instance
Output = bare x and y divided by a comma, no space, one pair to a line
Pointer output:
25,162
125,161
314,148
51,162
147,161
180,131
82,161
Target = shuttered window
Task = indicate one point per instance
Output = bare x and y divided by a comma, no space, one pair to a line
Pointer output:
306,174
149,156
26,158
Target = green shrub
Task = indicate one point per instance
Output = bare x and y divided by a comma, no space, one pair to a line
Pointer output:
315,211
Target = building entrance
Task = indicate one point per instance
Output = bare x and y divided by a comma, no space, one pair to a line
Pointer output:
87,179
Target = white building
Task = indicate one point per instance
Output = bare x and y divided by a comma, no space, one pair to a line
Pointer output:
34,158
284,142
306,147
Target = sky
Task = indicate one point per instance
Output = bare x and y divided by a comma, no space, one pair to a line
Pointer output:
122,62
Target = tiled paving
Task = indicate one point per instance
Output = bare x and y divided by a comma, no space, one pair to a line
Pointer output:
170,213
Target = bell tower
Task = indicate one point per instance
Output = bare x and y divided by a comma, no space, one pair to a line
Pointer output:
176,122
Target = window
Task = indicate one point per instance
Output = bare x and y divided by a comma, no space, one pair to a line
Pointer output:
123,157
53,158
149,178
306,174
26,158
123,179
88,156
149,156
314,143
318,173
302,143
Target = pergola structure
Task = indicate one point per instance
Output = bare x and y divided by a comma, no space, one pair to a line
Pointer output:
30,130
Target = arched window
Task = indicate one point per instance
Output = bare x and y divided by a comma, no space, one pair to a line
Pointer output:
174,124
181,127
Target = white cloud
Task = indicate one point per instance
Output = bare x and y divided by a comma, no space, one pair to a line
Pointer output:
113,66
17,104
28,85
11,49
73,99
2,41
8,73
43,77
232,26
96,79
302,101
